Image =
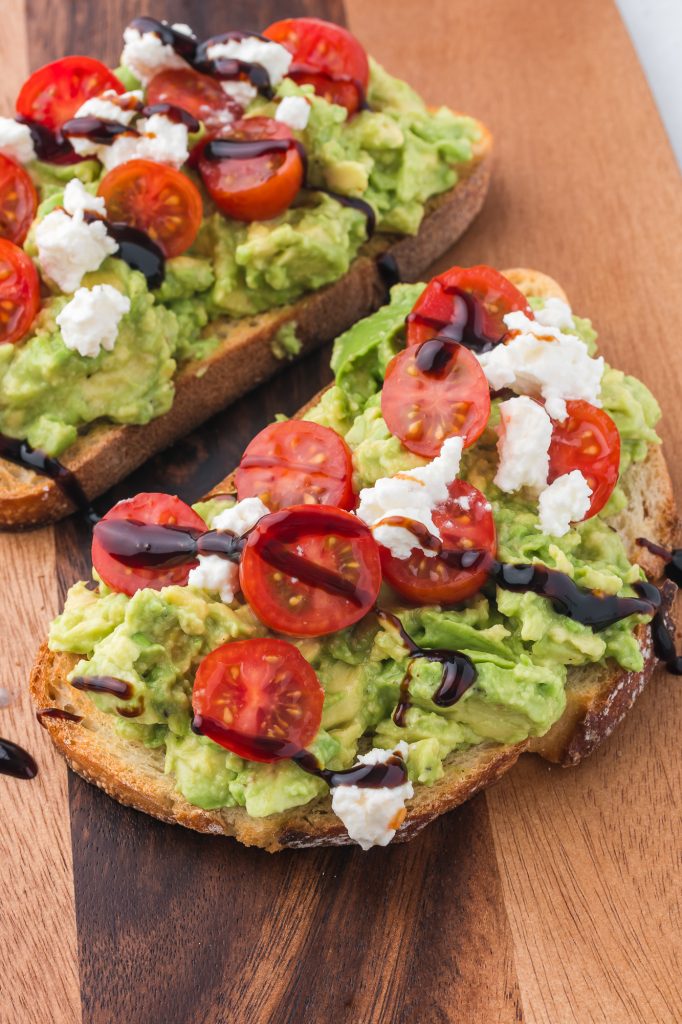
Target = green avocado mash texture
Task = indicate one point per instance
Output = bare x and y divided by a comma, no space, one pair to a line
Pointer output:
395,156
521,647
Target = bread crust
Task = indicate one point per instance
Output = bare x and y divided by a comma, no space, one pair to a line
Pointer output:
598,697
105,453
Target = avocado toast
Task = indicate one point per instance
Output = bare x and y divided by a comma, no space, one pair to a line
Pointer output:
544,683
128,350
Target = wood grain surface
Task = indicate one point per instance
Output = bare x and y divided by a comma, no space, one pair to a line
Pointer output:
553,898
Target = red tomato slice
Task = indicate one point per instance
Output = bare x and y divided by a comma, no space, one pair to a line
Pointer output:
200,95
258,698
156,509
297,463
310,570
157,199
53,93
465,523
258,186
18,200
433,391
587,440
19,292
325,56
466,304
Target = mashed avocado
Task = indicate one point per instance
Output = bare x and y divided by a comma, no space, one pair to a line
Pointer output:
521,647
395,155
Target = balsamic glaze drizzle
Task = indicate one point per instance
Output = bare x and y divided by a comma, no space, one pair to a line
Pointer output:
467,325
49,145
57,713
662,631
103,684
16,761
148,545
21,453
389,271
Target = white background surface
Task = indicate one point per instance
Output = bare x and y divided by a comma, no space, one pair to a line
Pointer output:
656,30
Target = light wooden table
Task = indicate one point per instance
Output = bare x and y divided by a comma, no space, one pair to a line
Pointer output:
551,899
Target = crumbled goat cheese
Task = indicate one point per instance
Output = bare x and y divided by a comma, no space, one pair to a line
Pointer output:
16,140
217,574
111,106
68,246
77,200
271,56
412,495
555,313
155,138
372,816
146,55
541,360
89,323
293,111
523,445
565,501
241,92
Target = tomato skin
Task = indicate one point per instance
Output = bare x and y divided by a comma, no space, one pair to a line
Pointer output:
325,56
156,199
287,593
18,200
295,463
422,408
587,440
429,580
53,93
493,296
258,187
154,508
19,292
200,95
258,698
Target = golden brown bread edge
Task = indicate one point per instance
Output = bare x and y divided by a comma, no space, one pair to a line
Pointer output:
597,699
107,453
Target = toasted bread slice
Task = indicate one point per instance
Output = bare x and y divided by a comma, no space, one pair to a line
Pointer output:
598,697
106,453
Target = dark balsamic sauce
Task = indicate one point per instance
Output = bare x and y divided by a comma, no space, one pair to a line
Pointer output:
355,203
433,356
135,248
246,149
391,773
150,546
57,713
304,70
176,114
103,684
16,761
467,325
100,130
184,45
49,145
21,453
389,271
662,631
231,69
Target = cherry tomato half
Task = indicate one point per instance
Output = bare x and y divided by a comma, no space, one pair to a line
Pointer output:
325,56
310,570
466,304
258,698
433,391
157,199
254,187
53,93
465,523
19,292
297,463
587,440
18,200
200,95
156,509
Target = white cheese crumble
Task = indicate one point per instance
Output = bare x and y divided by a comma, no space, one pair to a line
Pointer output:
271,56
216,574
565,501
110,106
77,200
293,111
540,360
373,816
155,138
146,55
69,247
523,445
241,92
90,321
16,140
555,313
412,495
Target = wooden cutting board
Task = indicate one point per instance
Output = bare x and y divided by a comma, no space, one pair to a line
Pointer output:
551,899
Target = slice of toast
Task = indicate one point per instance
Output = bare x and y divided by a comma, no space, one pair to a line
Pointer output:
598,698
106,453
